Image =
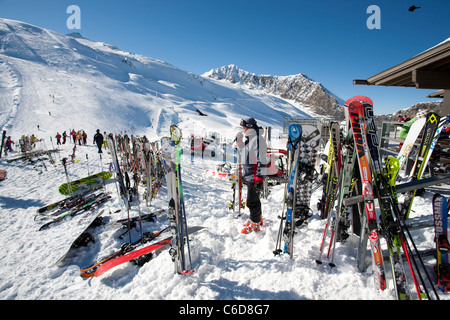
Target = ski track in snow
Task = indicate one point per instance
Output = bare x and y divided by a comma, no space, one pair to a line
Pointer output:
10,92
228,264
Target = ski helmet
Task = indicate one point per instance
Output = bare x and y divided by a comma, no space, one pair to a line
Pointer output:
249,123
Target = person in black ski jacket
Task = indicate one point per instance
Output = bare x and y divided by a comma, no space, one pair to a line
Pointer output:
98,139
252,149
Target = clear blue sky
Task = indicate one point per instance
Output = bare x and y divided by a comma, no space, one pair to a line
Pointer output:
327,40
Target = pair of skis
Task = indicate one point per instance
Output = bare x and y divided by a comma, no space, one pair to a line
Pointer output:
237,203
135,252
89,205
286,229
180,246
356,116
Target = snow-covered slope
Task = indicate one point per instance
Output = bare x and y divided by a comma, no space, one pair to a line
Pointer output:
61,82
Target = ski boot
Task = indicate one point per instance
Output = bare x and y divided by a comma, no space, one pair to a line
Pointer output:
250,226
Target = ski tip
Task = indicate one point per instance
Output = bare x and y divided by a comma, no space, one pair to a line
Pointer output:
186,272
86,275
277,252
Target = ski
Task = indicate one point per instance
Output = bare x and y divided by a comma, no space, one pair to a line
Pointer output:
440,214
336,173
136,254
295,134
328,179
356,115
429,134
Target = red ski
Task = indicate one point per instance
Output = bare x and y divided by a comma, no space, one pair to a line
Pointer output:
138,253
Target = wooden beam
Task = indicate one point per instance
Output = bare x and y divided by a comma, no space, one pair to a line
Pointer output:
360,82
446,104
426,79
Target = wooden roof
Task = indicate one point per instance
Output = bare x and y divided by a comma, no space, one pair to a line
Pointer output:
427,70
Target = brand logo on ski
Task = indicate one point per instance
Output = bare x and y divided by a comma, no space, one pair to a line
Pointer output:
438,216
432,119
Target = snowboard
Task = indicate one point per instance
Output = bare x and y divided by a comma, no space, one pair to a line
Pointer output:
84,237
308,162
85,183
150,249
408,144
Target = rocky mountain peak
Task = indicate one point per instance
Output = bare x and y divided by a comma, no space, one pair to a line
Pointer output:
299,88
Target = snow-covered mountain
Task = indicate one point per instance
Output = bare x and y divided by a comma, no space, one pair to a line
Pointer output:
298,88
66,82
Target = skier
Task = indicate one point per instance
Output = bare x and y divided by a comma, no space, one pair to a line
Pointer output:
73,133
105,143
64,136
253,149
79,137
98,139
9,143
34,139
58,138
84,136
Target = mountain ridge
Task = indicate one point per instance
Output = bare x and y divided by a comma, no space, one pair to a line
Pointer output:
298,87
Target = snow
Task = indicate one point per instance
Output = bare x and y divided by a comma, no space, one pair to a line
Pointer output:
228,264
87,85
